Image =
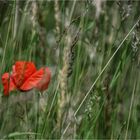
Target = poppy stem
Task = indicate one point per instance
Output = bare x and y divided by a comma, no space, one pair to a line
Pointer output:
37,114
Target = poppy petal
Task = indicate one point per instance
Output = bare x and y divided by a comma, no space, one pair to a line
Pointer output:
21,71
8,83
40,80
44,82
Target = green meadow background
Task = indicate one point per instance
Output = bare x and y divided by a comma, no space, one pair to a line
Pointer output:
92,48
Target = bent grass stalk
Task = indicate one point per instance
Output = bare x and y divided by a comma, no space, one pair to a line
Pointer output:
101,74
20,134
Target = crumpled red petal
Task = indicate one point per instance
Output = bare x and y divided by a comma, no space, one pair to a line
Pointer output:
22,70
25,77
40,80
8,83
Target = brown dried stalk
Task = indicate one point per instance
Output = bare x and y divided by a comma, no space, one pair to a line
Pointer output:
107,107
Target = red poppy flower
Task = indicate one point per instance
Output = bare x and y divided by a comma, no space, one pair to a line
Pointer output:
25,77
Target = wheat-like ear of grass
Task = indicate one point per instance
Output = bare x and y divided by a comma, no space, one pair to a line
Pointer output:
57,16
64,74
39,29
